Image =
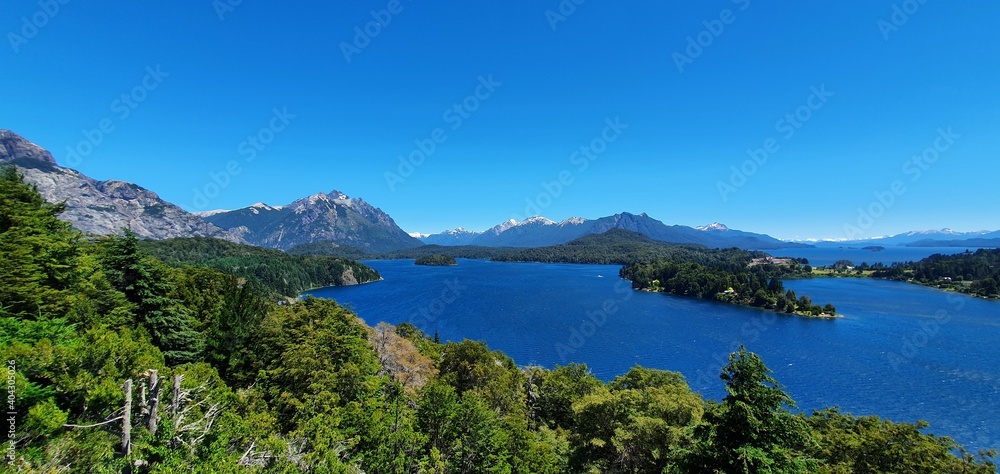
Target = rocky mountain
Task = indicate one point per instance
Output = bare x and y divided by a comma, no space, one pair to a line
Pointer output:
102,207
540,232
332,217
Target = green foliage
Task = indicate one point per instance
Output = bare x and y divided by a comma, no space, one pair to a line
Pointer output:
975,273
641,422
436,260
37,276
619,246
731,276
754,432
555,392
871,444
145,284
272,272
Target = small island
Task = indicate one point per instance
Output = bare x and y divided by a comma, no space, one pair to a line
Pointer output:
436,261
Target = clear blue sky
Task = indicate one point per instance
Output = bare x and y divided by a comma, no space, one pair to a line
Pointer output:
894,85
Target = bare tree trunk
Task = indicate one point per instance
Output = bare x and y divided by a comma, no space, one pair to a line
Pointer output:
127,420
154,403
175,402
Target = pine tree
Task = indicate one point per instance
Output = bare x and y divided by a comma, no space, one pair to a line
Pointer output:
145,284
39,252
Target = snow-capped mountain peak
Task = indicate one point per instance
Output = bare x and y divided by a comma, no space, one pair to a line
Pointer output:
573,221
261,205
210,213
535,220
500,228
713,226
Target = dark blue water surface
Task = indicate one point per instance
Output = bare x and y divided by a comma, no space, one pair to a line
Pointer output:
902,351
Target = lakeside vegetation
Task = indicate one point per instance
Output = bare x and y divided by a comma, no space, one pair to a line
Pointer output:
270,270
437,260
972,273
122,363
735,280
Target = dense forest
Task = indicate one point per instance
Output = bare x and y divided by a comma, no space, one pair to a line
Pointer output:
118,362
436,260
269,270
975,273
332,249
739,280
616,246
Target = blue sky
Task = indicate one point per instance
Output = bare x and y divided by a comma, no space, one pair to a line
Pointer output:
331,109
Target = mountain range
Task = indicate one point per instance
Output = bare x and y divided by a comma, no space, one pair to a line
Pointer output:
105,207
540,232
926,238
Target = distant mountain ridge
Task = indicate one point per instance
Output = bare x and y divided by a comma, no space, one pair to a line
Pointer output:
926,238
102,207
333,217
540,232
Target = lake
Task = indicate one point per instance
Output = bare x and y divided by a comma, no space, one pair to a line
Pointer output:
902,351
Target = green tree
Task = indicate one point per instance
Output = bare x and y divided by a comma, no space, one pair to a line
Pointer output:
37,271
145,284
641,422
753,431
871,444
558,389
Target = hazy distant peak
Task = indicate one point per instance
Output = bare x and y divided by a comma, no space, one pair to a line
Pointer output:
573,221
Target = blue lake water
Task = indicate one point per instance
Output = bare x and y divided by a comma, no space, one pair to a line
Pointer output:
902,351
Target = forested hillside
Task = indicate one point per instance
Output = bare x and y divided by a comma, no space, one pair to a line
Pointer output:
269,270
118,362
737,278
976,273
